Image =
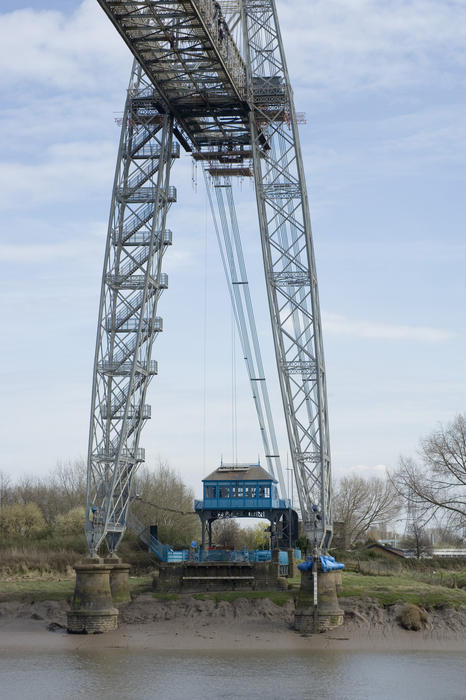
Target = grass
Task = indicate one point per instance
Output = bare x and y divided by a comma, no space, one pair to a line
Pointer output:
21,561
403,588
29,590
43,588
426,587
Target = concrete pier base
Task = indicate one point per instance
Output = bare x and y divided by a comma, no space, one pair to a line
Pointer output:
329,613
119,579
92,610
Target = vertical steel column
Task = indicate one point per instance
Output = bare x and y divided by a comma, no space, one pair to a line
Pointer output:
132,284
289,264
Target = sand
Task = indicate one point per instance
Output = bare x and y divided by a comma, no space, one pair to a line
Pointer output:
259,625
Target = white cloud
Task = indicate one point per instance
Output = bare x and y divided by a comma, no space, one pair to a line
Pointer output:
342,45
339,325
367,471
65,172
44,252
59,51
347,45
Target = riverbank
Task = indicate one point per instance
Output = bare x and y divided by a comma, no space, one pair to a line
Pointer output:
191,624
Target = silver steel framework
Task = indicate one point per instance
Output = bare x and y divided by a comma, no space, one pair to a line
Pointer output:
289,264
128,323
234,111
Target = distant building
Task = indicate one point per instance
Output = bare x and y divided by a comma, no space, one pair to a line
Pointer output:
387,550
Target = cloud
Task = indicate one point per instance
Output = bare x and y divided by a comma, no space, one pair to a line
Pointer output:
65,172
339,325
60,51
348,45
343,45
365,470
46,252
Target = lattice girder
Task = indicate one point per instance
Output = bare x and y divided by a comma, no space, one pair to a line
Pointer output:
288,254
186,49
128,322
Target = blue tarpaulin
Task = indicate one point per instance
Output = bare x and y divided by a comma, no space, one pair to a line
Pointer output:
327,563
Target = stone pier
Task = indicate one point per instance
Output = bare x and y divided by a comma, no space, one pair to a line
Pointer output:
329,613
119,579
92,610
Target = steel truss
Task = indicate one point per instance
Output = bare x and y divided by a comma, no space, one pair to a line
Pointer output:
128,323
186,50
234,111
289,264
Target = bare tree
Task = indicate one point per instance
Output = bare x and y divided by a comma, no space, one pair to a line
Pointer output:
360,503
69,480
228,533
418,540
166,501
55,494
5,489
436,483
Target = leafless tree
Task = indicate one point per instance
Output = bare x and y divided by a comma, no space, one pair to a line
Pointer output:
417,539
166,501
361,503
5,489
55,494
436,483
228,533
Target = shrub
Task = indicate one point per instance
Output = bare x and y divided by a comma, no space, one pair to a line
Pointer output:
21,520
70,523
411,617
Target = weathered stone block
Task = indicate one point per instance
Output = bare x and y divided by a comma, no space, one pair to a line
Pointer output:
92,609
329,613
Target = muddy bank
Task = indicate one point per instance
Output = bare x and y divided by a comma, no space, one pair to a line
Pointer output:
187,623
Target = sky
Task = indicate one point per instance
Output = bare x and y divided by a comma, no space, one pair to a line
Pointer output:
382,86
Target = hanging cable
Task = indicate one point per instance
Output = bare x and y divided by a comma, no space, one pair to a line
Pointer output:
204,346
234,414
227,232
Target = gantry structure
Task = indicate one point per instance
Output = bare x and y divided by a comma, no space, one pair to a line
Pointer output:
212,78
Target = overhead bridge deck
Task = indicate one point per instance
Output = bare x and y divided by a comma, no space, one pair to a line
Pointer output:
186,50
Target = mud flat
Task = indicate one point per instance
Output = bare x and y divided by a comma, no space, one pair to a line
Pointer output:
191,624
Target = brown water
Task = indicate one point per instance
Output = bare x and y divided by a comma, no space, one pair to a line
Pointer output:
117,674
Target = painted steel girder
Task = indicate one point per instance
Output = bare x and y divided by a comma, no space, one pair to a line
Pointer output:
131,287
186,50
289,265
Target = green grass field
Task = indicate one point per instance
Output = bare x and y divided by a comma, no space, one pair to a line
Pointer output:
426,590
39,588
403,588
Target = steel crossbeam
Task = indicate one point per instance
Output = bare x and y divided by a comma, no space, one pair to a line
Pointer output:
131,287
185,48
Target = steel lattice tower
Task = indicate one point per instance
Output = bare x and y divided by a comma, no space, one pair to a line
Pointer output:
289,263
232,110
128,323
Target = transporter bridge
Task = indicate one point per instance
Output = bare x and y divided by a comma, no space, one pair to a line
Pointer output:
210,78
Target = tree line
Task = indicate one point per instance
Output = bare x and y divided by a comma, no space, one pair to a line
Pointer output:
427,492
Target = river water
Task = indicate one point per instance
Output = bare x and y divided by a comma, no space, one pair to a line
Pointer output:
117,674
